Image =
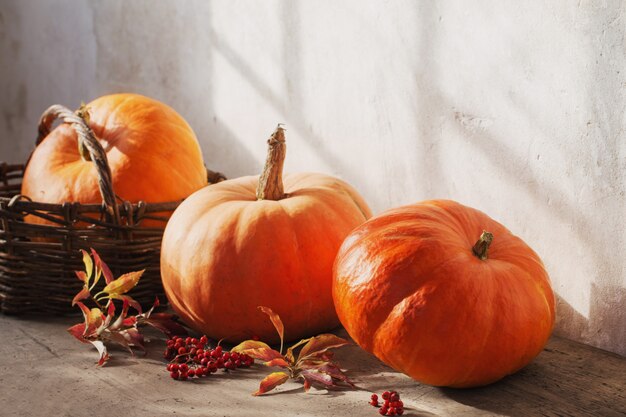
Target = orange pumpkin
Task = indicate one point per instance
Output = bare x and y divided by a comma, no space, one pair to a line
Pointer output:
152,152
251,242
412,287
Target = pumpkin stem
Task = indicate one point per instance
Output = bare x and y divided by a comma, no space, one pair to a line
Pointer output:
83,113
482,245
271,180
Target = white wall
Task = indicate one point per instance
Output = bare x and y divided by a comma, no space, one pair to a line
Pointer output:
516,108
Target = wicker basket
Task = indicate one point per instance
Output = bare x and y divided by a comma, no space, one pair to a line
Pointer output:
37,262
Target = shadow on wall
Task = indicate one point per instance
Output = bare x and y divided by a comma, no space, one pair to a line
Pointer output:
606,325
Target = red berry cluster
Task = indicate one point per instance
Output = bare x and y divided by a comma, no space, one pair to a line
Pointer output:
392,405
191,357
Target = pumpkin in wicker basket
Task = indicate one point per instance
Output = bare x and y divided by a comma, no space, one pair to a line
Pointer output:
152,153
107,178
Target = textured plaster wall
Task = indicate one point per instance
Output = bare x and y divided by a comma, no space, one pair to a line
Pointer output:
516,108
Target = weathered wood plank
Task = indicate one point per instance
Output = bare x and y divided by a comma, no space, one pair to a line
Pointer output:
43,371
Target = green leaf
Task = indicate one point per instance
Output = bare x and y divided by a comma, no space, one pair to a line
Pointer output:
123,284
277,322
271,381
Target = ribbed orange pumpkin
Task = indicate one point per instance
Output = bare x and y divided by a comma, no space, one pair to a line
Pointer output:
249,242
414,287
153,154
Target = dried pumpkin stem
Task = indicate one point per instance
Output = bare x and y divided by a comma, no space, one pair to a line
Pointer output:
482,245
271,181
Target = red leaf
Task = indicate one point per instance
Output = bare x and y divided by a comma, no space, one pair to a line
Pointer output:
102,350
82,276
277,322
277,362
93,319
315,377
128,337
84,293
271,381
77,331
261,351
129,321
320,344
329,368
334,371
110,315
123,284
121,318
127,299
108,276
263,354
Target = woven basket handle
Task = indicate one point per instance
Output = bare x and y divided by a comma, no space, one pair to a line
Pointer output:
89,147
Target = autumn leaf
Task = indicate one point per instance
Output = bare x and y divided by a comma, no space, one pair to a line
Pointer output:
289,355
261,351
127,338
277,322
82,276
271,381
318,345
315,377
334,372
249,344
127,299
280,362
102,350
123,284
78,330
263,354
88,265
93,319
108,275
98,329
84,293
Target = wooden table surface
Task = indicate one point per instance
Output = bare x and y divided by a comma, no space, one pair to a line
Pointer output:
45,372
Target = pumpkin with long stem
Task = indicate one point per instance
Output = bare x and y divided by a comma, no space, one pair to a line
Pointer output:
443,293
268,240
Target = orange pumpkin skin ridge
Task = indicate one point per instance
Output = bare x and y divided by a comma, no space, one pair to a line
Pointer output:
408,288
225,253
153,154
